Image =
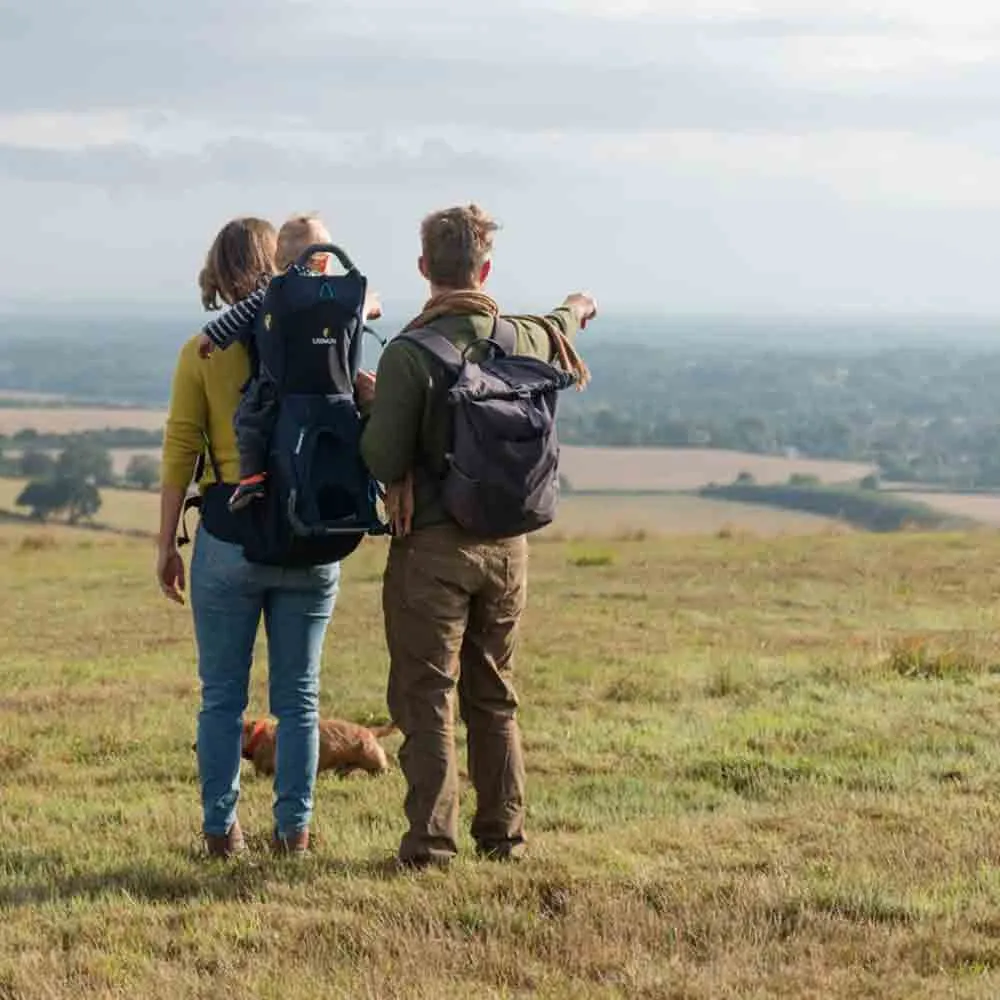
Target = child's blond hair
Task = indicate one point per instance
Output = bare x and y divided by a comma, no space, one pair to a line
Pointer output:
298,233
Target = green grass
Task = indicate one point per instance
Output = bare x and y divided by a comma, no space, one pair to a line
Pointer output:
756,769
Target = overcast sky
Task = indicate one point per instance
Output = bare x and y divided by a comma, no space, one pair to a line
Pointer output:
707,156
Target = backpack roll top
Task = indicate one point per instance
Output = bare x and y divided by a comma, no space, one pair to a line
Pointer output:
502,476
503,469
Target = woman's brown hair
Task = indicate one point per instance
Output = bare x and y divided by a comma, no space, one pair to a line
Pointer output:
241,254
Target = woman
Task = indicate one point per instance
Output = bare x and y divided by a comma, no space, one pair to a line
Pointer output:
230,595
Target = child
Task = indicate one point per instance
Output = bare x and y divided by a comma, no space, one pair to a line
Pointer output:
256,411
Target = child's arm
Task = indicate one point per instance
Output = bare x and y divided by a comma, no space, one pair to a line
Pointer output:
236,323
373,306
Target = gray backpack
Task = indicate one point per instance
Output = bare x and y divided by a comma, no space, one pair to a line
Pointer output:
503,465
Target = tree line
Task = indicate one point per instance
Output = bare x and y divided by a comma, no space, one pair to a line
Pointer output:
919,414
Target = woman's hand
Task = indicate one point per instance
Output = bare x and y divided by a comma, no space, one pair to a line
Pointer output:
205,345
170,573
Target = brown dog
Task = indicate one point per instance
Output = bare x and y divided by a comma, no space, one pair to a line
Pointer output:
343,746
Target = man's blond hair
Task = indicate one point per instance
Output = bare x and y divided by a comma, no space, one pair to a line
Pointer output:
456,243
299,232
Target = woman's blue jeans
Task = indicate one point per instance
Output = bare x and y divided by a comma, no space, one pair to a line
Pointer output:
228,596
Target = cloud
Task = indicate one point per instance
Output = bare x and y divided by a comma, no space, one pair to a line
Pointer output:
879,169
389,65
366,160
763,149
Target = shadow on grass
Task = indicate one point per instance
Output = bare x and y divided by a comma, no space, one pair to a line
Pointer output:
30,879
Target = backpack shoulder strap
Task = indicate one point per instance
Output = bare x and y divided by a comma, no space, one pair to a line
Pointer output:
504,335
195,500
438,345
216,468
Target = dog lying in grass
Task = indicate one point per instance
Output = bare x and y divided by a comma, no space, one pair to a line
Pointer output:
343,746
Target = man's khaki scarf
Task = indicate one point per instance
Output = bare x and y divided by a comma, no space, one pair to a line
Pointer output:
465,303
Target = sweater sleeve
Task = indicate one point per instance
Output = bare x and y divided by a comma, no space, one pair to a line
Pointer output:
187,421
532,337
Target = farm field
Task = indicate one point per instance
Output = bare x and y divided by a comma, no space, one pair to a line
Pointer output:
756,769
673,515
25,397
979,507
597,469
132,510
689,468
653,469
67,419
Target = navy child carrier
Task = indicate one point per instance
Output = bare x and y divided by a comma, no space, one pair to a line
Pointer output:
319,500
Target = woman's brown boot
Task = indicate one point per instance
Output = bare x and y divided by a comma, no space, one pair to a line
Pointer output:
291,843
227,844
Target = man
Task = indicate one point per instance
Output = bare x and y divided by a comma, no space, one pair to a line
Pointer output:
452,601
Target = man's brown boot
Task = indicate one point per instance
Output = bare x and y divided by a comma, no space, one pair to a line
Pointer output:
225,845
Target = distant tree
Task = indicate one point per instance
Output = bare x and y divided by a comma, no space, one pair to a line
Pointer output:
802,479
870,482
84,501
36,464
565,486
142,471
84,460
745,479
44,497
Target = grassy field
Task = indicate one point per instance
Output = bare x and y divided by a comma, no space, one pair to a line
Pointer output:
579,515
757,769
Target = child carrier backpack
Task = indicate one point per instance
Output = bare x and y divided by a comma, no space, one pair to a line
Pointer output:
319,500
502,476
